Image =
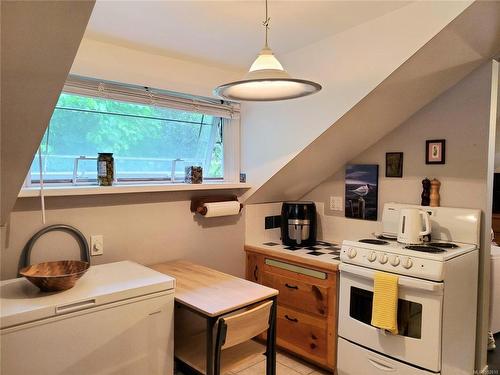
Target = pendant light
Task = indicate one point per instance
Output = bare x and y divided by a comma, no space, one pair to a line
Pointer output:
266,80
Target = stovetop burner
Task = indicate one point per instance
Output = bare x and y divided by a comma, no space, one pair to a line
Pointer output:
386,238
372,241
425,248
312,248
443,245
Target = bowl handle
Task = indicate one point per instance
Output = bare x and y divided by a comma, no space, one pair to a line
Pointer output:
79,237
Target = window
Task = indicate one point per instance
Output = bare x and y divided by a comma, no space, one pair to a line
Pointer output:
152,135
409,313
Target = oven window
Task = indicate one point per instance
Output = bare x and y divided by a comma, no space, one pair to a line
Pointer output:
409,313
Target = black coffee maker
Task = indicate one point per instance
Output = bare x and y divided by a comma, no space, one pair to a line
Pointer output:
298,223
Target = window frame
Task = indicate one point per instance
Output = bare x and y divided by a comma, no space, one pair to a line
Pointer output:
227,112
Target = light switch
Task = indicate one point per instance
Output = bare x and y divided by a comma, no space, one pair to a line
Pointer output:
96,245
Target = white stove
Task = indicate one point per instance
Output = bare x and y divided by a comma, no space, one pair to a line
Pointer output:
437,296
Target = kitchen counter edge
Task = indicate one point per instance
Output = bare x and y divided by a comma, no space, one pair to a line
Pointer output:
280,254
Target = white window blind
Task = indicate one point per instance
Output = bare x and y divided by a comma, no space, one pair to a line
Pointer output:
150,96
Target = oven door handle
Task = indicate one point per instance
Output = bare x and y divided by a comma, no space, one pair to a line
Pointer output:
381,365
404,281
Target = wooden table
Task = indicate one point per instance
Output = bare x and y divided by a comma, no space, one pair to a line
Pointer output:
212,294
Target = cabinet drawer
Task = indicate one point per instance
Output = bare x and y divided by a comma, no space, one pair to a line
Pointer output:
302,333
298,294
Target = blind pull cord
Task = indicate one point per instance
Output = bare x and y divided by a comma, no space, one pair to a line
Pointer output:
42,165
42,196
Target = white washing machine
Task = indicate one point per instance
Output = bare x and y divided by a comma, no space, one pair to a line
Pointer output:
495,290
117,319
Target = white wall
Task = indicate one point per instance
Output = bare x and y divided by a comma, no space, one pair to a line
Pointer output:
348,65
36,60
146,228
461,117
121,64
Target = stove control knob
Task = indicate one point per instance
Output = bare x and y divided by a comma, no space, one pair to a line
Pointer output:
351,253
372,256
395,261
383,258
408,263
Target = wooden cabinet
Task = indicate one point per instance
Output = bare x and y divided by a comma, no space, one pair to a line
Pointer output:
303,334
299,294
307,303
254,267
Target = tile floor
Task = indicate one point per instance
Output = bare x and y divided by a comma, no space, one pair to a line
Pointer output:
286,364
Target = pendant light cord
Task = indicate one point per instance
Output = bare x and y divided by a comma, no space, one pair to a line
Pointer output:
266,25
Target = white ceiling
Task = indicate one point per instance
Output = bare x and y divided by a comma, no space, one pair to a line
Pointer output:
226,32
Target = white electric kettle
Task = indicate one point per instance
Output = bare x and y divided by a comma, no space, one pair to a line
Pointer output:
414,224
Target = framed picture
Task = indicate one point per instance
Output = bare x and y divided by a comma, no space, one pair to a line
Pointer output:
361,191
394,164
435,151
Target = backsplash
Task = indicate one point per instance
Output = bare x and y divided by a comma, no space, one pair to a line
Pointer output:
255,222
329,227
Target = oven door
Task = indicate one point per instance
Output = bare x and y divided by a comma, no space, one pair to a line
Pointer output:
419,317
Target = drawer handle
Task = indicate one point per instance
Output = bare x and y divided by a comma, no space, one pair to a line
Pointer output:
75,306
255,274
291,286
295,320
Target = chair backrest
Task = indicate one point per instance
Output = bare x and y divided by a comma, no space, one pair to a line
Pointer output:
246,325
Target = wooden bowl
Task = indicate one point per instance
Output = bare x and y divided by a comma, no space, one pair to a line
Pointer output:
55,276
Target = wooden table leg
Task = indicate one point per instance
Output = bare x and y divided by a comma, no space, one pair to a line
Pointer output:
210,346
271,341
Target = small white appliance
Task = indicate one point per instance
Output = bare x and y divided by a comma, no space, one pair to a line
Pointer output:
414,224
117,319
437,296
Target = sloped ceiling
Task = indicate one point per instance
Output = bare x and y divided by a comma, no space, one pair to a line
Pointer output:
468,41
349,65
39,42
226,33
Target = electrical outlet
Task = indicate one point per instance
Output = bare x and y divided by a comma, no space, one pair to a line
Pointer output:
336,204
96,245
271,222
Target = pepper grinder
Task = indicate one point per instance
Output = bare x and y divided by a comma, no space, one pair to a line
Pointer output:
435,198
426,192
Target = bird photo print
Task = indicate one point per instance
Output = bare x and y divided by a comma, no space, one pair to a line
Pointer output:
361,191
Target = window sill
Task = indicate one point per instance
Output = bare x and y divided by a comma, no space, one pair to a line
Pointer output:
60,191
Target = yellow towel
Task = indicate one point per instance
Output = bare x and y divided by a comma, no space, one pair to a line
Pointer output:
385,302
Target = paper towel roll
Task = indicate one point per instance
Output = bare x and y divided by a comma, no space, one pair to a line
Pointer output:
222,208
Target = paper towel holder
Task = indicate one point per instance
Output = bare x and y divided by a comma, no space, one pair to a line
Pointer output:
198,203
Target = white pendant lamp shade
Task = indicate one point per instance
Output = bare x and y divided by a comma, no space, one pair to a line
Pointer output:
266,60
266,81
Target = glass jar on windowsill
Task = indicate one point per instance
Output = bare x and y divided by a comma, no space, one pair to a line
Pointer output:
105,169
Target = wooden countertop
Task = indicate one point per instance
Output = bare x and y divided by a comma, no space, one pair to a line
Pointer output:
211,292
281,254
